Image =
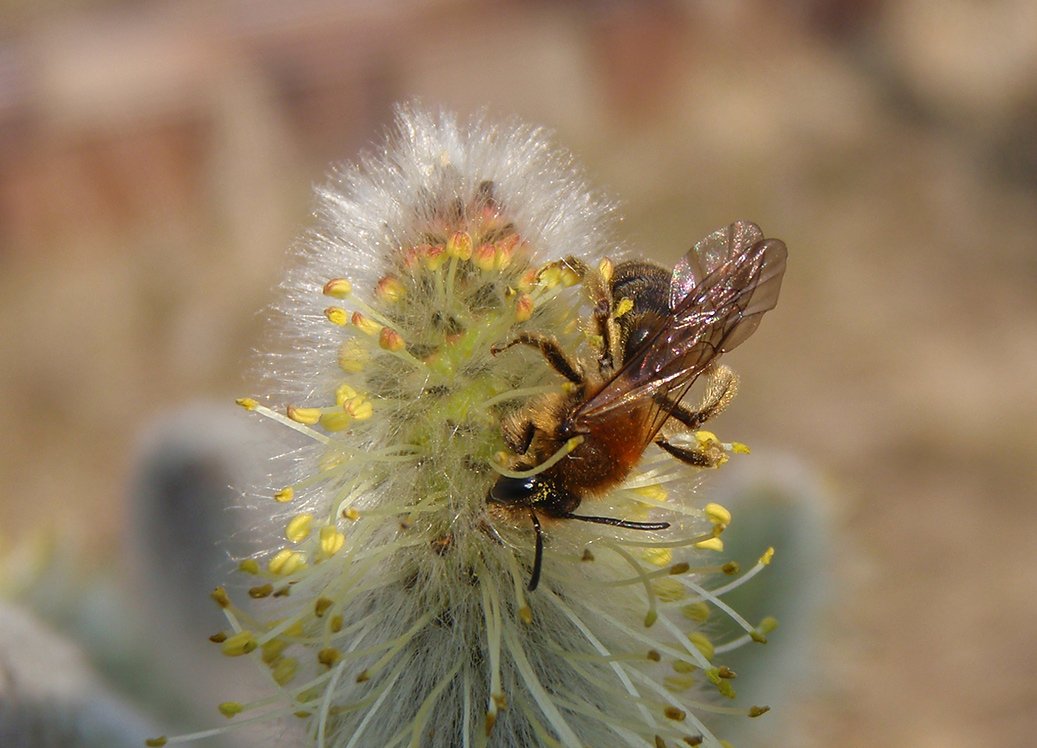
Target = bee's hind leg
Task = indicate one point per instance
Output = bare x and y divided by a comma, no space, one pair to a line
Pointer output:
721,390
552,351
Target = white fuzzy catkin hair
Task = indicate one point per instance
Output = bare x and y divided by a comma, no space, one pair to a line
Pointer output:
394,610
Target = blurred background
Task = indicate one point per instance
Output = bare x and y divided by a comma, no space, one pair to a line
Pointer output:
156,161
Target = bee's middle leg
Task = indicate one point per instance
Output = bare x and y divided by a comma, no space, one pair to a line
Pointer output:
552,351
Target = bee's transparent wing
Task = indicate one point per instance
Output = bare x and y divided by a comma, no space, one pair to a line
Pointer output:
730,285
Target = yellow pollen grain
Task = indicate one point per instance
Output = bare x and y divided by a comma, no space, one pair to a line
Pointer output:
231,708
285,495
335,421
338,288
390,340
523,308
658,556
710,544
740,448
459,245
336,315
718,514
653,492
307,416
249,566
624,306
239,644
284,670
247,403
331,541
702,643
298,528
706,438
697,612
359,407
365,324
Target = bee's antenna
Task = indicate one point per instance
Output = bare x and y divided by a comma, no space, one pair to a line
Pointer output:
617,522
538,557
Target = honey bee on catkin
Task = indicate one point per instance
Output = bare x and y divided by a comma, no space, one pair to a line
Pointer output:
659,331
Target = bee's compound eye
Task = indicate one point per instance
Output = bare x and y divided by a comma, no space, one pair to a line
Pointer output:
513,490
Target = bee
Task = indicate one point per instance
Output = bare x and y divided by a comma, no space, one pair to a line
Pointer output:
659,331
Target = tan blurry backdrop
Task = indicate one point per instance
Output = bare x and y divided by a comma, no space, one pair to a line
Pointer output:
155,163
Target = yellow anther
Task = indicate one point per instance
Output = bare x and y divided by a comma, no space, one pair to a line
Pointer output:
569,277
328,656
365,324
219,637
391,340
321,606
220,596
549,276
351,514
707,438
331,541
459,245
718,514
263,590
338,288
740,448
249,566
674,713
702,643
678,683
711,544
624,306
335,420
247,403
669,590
726,689
241,643
525,615
756,711
523,308
336,315
308,416
342,393
286,562
683,666
284,670
484,257
158,742
653,491
658,556
230,708
605,268
731,568
503,252
285,495
390,289
767,557
272,649
435,257
767,625
352,356
650,618
527,280
336,623
697,612
359,407
298,528
680,568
